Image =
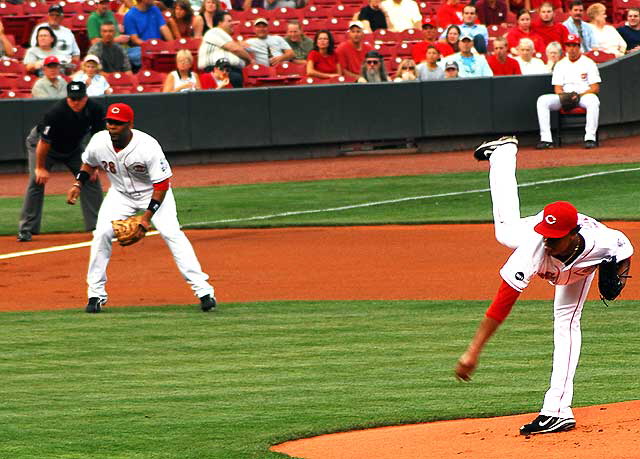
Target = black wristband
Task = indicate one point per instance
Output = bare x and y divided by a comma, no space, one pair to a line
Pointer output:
154,206
82,177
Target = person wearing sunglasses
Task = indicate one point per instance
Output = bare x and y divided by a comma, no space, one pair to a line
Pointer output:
406,71
373,70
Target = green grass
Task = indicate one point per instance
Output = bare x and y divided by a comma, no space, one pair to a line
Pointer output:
612,196
171,382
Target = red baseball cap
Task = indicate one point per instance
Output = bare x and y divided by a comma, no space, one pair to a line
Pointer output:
427,21
558,219
119,112
49,60
572,39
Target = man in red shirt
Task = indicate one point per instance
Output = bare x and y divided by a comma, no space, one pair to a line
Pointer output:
450,12
430,36
500,62
351,53
547,28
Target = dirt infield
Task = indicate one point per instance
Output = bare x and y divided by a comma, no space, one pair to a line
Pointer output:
387,262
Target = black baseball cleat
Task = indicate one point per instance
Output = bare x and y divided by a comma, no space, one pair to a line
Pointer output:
544,145
24,236
94,305
547,424
485,149
590,144
208,303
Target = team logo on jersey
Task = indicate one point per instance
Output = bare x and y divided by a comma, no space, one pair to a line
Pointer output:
584,76
519,276
138,169
550,219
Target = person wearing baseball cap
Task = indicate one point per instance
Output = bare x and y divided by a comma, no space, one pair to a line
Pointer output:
430,38
564,248
51,84
268,50
66,46
470,65
451,69
218,78
119,119
352,51
97,85
576,26
576,83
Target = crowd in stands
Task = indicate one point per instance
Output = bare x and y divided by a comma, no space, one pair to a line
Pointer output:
128,46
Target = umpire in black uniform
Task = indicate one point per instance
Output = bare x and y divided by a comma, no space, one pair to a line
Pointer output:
60,137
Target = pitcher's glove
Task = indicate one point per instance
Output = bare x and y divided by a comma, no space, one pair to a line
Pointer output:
569,100
610,282
130,230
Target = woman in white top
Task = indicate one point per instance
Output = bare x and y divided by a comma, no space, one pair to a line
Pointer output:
605,37
97,85
184,78
529,65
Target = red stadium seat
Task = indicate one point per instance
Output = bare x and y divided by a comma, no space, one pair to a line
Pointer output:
253,73
338,24
314,11
71,8
150,77
600,56
410,35
383,35
343,11
286,14
323,2
278,27
79,21
314,25
25,82
387,50
9,9
35,8
121,81
255,13
20,27
291,69
8,82
403,50
192,44
156,46
12,66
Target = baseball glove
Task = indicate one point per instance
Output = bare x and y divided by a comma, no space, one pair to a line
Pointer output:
569,100
130,230
610,282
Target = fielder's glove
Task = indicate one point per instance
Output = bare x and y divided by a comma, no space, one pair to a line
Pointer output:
569,100
130,230
610,283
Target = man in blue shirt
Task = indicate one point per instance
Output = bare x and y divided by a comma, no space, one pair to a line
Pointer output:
631,31
478,32
469,64
577,26
144,22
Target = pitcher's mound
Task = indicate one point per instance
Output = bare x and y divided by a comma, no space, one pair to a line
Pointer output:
602,432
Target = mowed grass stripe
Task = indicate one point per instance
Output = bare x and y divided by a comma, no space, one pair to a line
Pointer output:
171,382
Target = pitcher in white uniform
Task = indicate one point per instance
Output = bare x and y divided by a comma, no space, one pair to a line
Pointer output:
559,245
139,175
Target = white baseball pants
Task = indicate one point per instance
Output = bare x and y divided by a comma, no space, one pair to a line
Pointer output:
118,206
548,102
569,300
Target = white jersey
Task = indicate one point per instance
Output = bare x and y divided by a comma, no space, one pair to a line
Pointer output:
575,76
529,259
134,169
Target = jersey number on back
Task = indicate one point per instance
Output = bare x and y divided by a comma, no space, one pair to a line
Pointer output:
109,166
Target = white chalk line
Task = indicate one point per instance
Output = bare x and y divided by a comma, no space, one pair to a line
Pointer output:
329,209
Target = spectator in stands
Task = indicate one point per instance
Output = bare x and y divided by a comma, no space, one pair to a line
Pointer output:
299,43
469,64
112,55
469,27
574,73
45,46
451,70
546,27
6,48
554,54
631,31
218,43
66,45
373,17
351,52
275,4
402,14
430,37
451,39
529,65
322,61
144,22
450,12
605,37
97,85
182,79
218,78
523,30
204,20
515,6
492,12
268,49
429,69
576,26
406,71
101,15
500,62
373,70
182,22
51,85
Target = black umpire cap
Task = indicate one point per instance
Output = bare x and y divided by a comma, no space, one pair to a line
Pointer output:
76,90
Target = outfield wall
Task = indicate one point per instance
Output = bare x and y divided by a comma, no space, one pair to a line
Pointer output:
279,118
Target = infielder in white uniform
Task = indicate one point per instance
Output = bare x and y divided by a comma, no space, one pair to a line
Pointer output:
573,73
139,175
559,245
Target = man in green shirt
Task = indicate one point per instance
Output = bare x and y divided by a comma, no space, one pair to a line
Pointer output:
101,15
300,44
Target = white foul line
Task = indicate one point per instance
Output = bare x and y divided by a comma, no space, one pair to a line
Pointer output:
329,209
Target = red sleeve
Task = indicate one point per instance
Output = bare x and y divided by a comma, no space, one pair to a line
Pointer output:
419,51
503,302
161,186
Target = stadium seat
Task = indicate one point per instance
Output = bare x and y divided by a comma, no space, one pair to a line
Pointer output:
79,21
294,71
403,50
20,27
410,35
313,25
286,14
156,46
338,24
12,67
343,11
120,82
9,9
25,82
574,118
35,8
192,44
387,50
314,11
8,82
71,8
278,27
253,73
255,13
150,77
600,56
383,35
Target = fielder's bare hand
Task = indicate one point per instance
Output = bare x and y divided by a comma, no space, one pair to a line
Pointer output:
465,367
72,194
